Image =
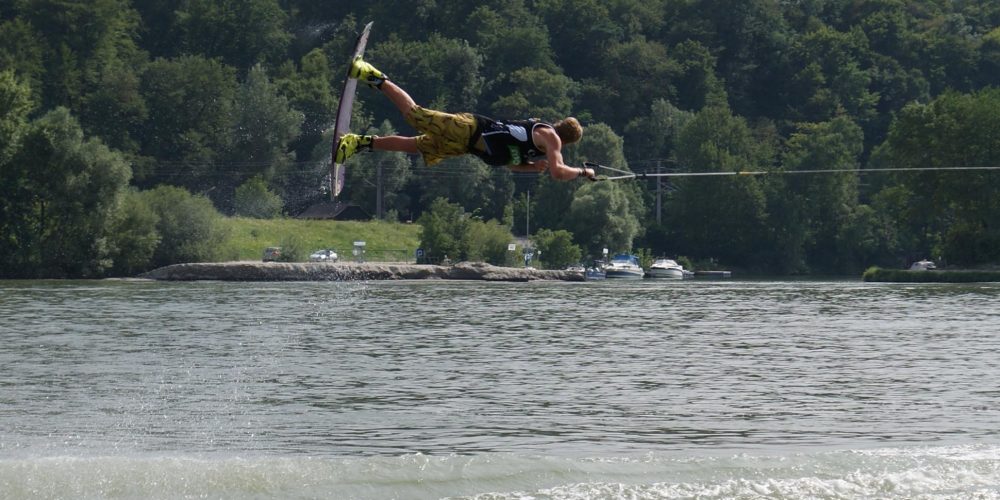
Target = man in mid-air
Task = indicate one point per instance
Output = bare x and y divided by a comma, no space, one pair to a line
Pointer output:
521,145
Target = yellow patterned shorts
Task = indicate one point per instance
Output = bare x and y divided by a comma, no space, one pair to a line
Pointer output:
443,134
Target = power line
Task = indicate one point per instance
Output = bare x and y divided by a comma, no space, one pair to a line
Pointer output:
625,174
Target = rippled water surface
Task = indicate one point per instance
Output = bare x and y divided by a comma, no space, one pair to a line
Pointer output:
525,371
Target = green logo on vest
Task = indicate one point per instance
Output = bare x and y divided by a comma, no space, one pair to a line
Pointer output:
515,155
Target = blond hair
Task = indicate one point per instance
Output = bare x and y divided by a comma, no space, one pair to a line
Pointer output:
569,130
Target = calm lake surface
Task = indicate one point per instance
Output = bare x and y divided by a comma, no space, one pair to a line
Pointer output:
432,389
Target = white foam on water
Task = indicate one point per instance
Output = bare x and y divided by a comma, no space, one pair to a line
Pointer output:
919,473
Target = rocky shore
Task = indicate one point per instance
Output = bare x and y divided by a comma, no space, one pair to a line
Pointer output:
349,271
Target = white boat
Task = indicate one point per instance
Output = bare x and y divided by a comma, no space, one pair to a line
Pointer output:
594,272
666,269
923,265
624,266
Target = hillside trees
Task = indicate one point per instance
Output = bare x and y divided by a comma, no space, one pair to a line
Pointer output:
955,210
190,102
207,94
723,216
62,195
808,212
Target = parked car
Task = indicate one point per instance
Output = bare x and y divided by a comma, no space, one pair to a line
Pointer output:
323,256
272,254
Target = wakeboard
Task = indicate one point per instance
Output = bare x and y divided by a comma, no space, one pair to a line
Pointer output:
343,123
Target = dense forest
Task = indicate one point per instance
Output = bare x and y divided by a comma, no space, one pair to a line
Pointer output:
126,127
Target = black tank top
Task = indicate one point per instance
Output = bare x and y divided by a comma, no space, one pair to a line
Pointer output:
508,142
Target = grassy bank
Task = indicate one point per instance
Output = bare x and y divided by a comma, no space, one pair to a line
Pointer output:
384,240
938,276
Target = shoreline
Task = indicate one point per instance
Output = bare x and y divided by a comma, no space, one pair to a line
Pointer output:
879,275
350,271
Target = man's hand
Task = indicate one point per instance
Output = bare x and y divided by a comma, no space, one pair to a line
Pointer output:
589,173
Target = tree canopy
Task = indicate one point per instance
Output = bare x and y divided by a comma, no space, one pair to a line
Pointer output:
101,100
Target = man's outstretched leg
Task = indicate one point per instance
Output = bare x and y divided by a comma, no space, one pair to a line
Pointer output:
370,75
352,143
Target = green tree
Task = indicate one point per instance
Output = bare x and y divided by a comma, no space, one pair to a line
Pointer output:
134,236
653,136
82,38
551,200
601,216
487,242
579,31
159,32
22,49
190,103
442,229
547,207
18,200
536,93
241,32
447,231
557,248
15,105
951,209
751,41
308,90
65,192
254,199
808,212
696,83
264,125
115,109
869,237
440,73
719,216
190,228
834,76
634,73
464,180
511,37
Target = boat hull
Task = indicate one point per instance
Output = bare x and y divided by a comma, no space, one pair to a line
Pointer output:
670,274
624,273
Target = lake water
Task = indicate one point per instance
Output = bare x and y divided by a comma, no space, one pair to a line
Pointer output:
651,389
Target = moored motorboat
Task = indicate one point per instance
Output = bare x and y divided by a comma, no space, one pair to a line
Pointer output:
624,266
666,269
923,265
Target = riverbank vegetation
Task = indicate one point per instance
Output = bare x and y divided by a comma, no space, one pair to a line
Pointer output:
384,241
877,274
132,133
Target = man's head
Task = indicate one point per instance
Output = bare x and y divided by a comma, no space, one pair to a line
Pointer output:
569,130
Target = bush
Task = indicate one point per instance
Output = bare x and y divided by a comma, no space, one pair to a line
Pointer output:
487,241
877,274
443,228
190,228
254,199
292,249
557,248
447,230
134,235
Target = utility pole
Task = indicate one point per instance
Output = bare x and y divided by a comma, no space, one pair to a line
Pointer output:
527,217
658,192
379,209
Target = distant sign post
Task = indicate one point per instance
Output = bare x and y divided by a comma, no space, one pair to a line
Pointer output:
359,251
420,255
